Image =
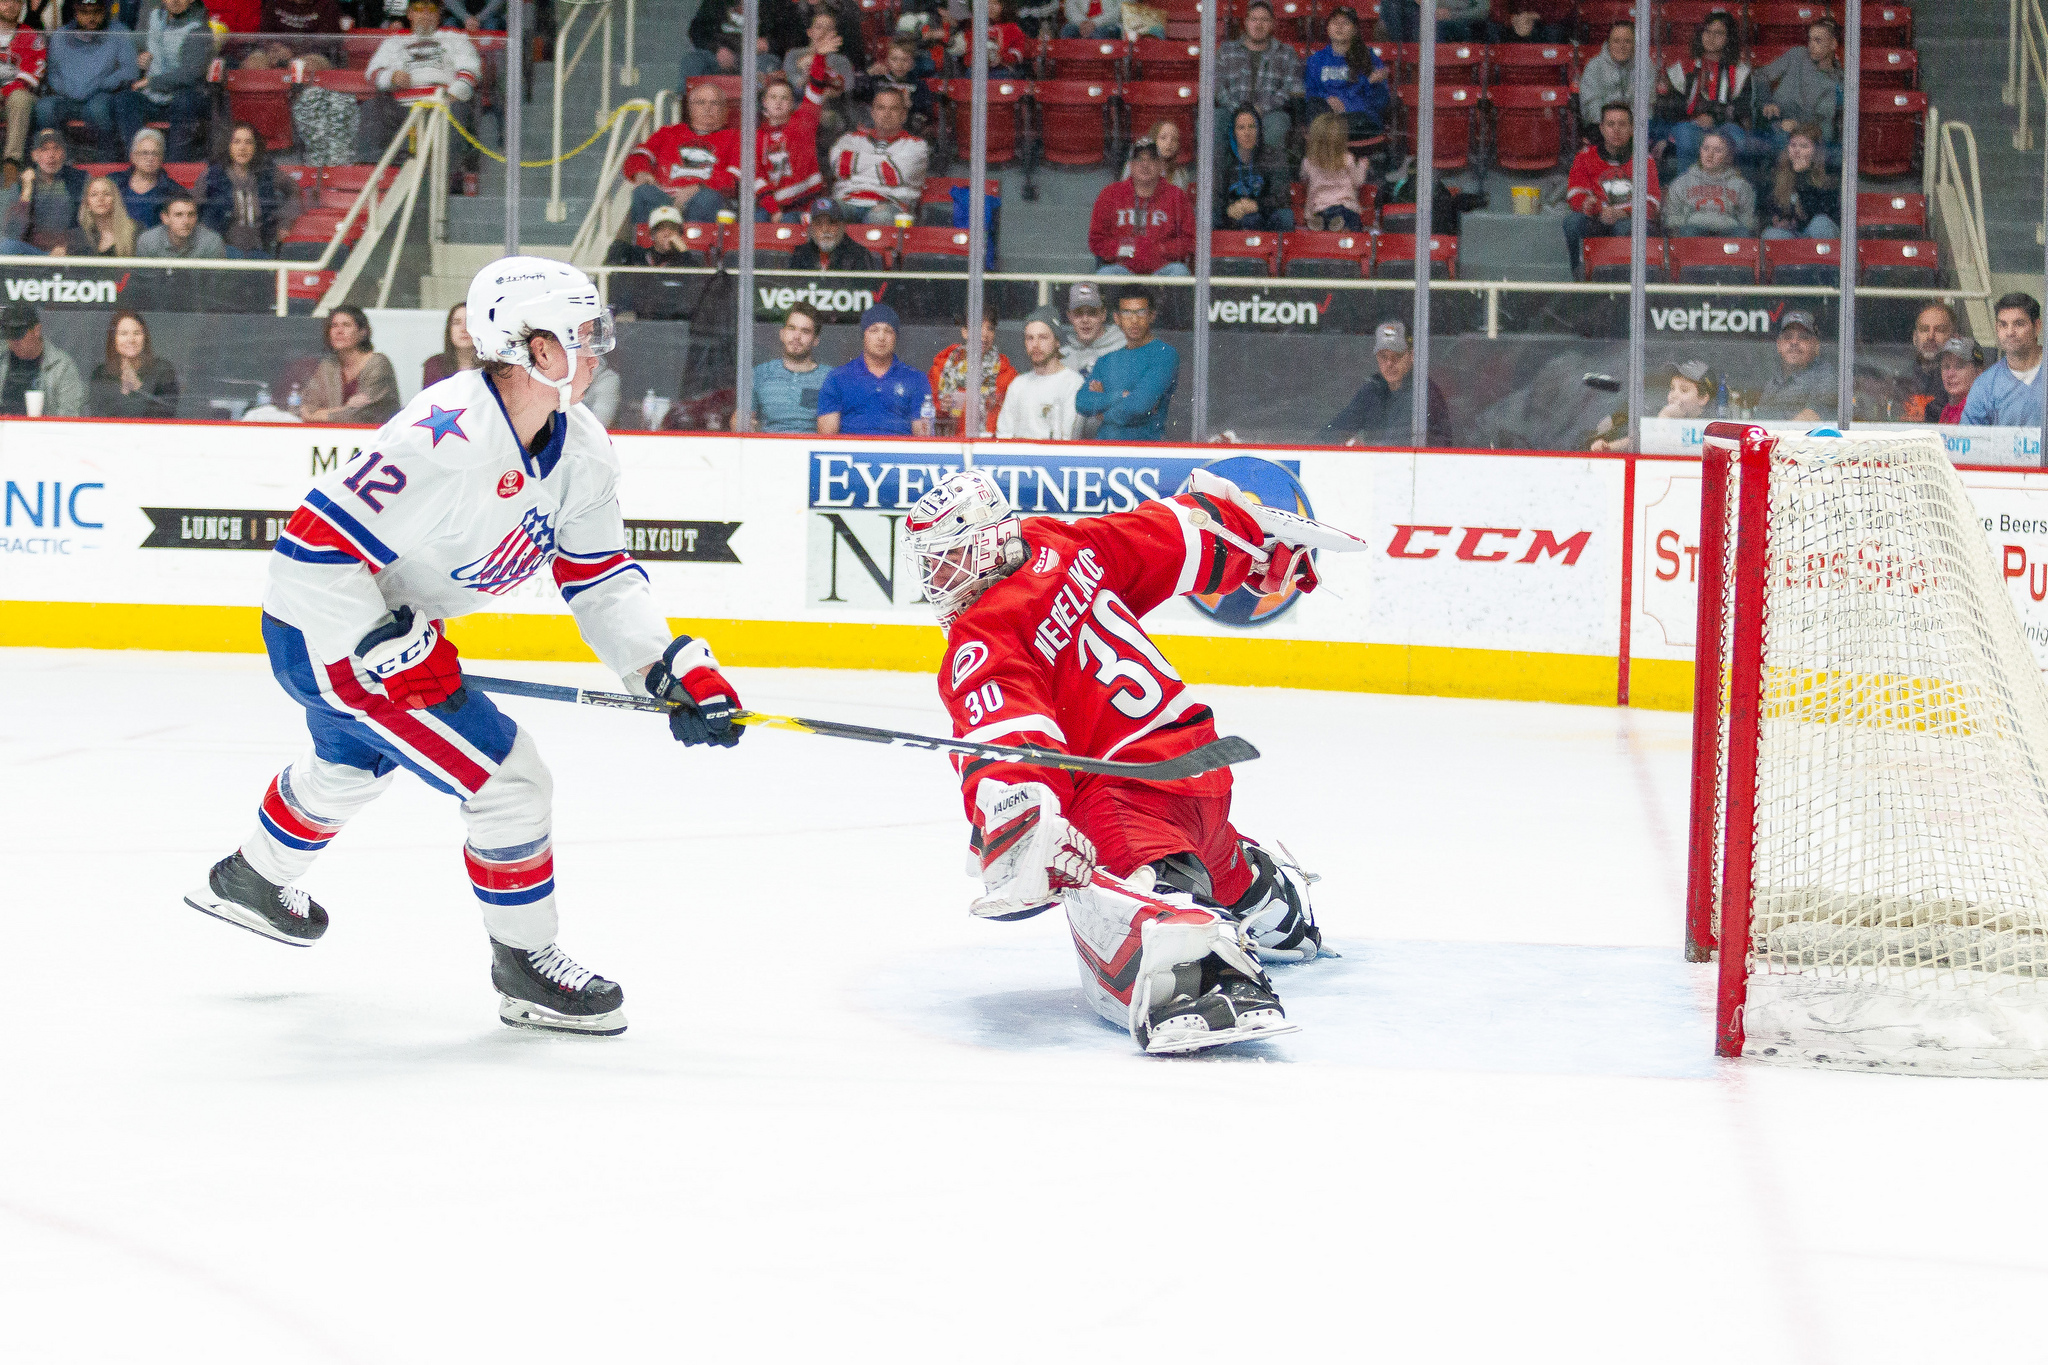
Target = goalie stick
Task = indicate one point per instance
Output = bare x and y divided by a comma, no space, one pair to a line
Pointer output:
1217,753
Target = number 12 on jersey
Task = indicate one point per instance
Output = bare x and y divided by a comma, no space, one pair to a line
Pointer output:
392,480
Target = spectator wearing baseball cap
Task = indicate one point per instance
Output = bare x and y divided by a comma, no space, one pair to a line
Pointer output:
827,247
1962,360
31,365
646,297
1693,385
1381,412
875,394
1804,388
1090,335
47,209
1142,226
91,59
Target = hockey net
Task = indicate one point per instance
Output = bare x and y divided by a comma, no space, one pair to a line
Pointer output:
1870,799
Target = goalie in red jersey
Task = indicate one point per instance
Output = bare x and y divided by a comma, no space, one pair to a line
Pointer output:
1044,647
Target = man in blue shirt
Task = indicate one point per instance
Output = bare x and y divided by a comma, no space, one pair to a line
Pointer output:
786,390
2009,394
1131,389
875,394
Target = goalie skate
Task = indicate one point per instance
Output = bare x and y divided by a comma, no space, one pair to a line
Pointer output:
1218,999
545,989
239,894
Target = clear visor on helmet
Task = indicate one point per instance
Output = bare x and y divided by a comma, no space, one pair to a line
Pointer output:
596,336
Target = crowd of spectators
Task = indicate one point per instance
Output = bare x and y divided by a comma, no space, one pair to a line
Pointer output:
1086,376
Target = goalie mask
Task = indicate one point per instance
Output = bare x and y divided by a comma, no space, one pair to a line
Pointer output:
965,537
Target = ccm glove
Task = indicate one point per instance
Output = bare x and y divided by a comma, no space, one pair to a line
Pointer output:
414,661
705,702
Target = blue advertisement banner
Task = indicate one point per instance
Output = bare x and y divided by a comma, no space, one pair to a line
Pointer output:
1080,484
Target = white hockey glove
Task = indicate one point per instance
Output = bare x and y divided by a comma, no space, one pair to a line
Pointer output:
1029,853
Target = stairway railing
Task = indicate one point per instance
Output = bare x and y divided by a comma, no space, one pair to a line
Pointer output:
376,207
607,203
1955,191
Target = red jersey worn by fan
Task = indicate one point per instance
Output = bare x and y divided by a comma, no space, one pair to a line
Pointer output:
678,157
786,154
21,62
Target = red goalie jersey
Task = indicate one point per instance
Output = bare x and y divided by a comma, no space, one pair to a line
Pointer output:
1054,655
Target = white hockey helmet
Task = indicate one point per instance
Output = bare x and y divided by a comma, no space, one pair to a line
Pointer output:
965,537
512,300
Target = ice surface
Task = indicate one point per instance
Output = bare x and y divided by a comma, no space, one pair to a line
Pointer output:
852,1123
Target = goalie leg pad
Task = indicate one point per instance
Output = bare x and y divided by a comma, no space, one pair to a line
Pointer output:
1177,975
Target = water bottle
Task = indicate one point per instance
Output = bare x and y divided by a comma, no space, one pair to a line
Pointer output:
1721,400
927,414
650,410
291,400
263,395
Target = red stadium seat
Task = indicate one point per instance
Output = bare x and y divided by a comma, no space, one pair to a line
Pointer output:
354,177
1881,214
935,202
1460,64
308,285
1403,60
1678,20
1294,21
1898,265
1074,120
1597,16
359,45
345,83
185,173
775,242
1162,59
1326,255
1529,64
1456,106
307,178
1532,126
1891,131
1243,253
1155,102
882,241
1394,257
262,99
1085,59
1004,95
1887,26
1607,259
1802,260
708,240
877,21
934,248
1890,68
1779,22
1715,260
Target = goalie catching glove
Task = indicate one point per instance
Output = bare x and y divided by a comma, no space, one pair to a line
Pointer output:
1029,853
705,703
416,664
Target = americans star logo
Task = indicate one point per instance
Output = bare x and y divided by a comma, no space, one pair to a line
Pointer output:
442,422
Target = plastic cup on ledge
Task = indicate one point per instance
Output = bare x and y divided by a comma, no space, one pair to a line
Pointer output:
34,401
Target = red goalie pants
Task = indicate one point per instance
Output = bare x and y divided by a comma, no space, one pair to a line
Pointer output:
1135,823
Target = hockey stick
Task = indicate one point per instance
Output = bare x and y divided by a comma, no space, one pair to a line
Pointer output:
1217,753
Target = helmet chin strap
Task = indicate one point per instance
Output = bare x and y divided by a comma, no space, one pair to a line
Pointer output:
560,386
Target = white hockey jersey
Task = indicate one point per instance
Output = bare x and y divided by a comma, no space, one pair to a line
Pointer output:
445,513
445,58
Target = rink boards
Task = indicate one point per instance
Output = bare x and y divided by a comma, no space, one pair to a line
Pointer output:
1526,576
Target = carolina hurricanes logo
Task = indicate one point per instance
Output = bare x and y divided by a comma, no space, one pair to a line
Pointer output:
972,654
525,548
511,483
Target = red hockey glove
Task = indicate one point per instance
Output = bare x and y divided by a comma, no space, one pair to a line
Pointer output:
415,662
705,702
1287,564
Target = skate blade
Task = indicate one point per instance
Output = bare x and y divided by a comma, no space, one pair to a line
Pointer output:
1201,1040
206,903
526,1014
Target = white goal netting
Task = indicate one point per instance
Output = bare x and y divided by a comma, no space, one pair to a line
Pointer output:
1899,908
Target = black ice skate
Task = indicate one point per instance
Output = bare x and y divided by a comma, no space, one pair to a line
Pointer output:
239,894
1214,1005
1275,910
545,989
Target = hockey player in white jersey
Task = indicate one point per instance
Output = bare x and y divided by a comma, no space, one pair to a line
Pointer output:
483,480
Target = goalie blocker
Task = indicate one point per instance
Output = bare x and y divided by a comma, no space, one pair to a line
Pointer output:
1869,847
1170,908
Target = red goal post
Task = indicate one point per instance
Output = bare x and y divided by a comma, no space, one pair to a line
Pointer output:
1869,832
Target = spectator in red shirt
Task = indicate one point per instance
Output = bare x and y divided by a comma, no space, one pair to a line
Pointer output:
1600,188
21,76
1142,226
693,165
786,174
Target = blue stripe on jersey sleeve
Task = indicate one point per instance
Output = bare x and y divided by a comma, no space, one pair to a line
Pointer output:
306,554
571,591
342,521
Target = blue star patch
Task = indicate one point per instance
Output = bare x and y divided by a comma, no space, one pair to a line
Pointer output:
442,422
